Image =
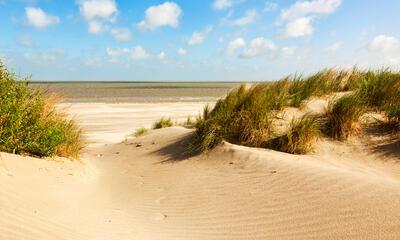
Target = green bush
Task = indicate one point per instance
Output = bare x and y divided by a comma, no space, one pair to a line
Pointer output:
29,123
163,123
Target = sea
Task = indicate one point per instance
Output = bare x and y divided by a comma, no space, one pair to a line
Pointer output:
137,92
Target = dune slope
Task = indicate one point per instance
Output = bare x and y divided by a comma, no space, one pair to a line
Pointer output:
150,188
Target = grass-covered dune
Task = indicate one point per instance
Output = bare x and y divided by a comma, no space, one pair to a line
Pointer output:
30,124
247,114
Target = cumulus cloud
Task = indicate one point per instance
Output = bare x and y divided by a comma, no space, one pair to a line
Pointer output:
298,17
199,37
121,34
166,14
95,26
306,8
298,28
257,47
234,45
384,44
98,12
334,47
37,18
182,52
249,17
222,4
134,53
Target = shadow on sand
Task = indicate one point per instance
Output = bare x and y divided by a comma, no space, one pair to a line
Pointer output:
180,150
389,144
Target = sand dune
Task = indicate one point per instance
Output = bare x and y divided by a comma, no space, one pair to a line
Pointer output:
155,191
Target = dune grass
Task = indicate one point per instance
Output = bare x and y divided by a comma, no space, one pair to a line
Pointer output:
140,132
30,124
247,114
342,116
163,123
299,138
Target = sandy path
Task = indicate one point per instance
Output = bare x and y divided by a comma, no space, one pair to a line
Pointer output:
155,191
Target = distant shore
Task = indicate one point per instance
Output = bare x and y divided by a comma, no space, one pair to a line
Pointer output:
137,92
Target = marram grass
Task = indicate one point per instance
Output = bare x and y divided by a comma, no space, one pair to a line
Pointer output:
30,124
247,114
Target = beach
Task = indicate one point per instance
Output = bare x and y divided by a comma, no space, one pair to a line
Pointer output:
151,187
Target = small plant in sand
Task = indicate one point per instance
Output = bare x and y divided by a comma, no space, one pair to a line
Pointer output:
299,138
189,122
342,116
30,123
163,123
140,132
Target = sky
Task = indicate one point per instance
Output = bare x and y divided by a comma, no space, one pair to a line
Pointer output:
195,40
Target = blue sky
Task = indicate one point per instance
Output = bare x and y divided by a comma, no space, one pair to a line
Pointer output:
215,40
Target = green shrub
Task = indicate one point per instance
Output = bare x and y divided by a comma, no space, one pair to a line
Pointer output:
140,132
163,123
342,116
29,123
299,138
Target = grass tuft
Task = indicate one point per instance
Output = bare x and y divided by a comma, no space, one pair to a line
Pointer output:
140,132
299,138
342,116
163,123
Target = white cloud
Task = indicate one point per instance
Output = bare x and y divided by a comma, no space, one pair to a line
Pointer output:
138,53
134,53
384,44
37,18
199,37
166,14
162,55
249,17
222,4
289,51
182,51
270,7
299,16
121,34
298,28
334,47
97,12
306,8
234,45
101,9
257,47
95,26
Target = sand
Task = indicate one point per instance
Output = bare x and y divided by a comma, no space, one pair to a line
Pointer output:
149,188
